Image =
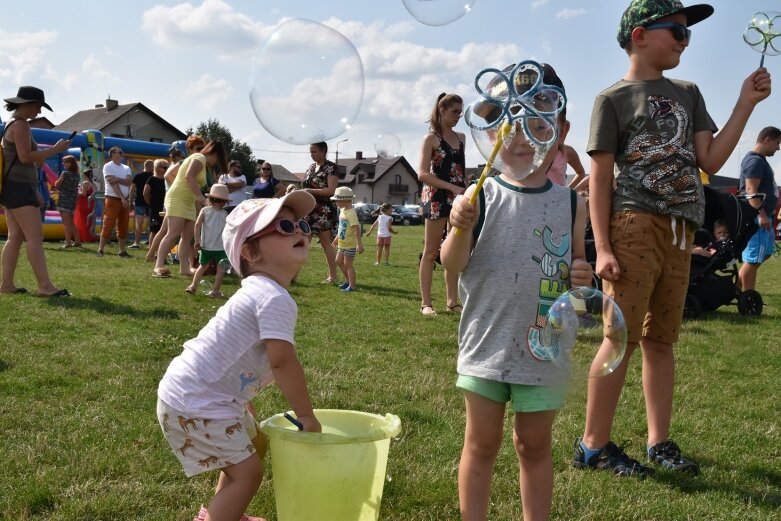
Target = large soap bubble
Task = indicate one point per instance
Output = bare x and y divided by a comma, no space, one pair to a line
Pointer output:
519,109
387,145
585,333
763,34
307,83
438,12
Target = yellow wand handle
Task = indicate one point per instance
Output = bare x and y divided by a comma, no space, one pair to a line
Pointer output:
503,131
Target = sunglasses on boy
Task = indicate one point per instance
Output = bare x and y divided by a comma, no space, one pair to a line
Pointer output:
284,227
680,31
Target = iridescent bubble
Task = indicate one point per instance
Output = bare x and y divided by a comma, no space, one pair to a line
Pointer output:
307,83
387,145
225,265
206,286
763,33
514,122
438,12
585,333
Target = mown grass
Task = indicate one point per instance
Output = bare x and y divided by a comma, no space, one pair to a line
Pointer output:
79,439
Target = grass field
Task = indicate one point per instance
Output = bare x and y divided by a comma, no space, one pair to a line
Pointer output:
79,439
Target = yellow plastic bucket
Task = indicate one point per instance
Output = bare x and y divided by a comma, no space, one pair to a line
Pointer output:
336,475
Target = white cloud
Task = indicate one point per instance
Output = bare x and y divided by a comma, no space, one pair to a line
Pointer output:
22,53
94,69
214,23
570,13
538,3
67,81
209,91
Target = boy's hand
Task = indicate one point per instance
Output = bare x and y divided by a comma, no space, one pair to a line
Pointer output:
756,87
580,273
607,266
310,423
463,215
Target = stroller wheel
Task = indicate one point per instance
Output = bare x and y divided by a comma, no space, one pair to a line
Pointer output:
692,307
750,303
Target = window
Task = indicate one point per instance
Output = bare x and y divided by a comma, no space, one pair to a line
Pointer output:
397,180
155,140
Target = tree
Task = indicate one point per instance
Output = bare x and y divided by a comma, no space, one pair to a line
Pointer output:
213,130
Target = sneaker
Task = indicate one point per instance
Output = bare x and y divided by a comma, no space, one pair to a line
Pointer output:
376,263
98,253
348,289
134,246
612,458
668,455
344,285
123,254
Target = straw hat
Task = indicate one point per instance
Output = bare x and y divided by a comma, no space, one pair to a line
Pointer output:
343,193
219,191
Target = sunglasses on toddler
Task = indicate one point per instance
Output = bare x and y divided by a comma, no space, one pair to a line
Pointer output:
680,31
284,227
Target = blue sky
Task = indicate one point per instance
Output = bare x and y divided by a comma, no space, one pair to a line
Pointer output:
192,61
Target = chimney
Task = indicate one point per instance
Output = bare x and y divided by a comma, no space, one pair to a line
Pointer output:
111,104
358,154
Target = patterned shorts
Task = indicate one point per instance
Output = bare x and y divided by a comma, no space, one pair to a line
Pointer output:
202,444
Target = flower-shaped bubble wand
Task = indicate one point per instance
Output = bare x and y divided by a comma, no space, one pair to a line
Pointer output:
516,98
763,34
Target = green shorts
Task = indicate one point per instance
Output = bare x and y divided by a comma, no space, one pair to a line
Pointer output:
207,256
524,398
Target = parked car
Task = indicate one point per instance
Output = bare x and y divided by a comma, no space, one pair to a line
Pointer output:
365,212
405,215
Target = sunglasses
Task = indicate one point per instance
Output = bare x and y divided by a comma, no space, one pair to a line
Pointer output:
284,227
680,31
266,169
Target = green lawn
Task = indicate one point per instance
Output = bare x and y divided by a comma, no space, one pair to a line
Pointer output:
79,439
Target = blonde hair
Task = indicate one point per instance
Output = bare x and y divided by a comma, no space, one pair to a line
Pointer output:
161,162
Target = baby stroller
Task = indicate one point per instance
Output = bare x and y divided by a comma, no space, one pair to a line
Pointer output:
713,280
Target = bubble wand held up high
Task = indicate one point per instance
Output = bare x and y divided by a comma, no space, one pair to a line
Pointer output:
515,99
764,31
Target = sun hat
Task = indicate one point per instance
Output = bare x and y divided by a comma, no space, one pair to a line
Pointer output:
253,215
28,94
219,191
643,12
343,193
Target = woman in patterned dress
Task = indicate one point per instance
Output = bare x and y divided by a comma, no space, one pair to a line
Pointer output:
320,180
68,186
441,171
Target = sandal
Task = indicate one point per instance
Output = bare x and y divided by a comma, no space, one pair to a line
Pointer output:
57,294
430,313
215,294
329,280
190,290
455,308
161,273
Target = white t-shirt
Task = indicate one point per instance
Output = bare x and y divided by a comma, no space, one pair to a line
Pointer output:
237,196
211,230
383,225
119,171
225,366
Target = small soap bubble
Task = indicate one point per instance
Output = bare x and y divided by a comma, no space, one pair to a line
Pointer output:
438,12
307,83
387,145
225,265
584,333
206,286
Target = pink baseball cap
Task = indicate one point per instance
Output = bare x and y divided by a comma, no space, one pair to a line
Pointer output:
253,215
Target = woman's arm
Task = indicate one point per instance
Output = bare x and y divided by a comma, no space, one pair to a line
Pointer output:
23,141
333,181
59,181
191,177
573,160
147,194
170,174
424,169
279,189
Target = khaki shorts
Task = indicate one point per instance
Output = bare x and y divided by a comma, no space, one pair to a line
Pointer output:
651,289
201,444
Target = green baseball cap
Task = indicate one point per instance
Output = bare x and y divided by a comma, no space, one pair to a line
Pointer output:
643,12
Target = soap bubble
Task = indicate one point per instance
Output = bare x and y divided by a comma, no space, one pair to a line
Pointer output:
206,286
438,12
518,113
387,145
307,83
225,265
763,33
576,324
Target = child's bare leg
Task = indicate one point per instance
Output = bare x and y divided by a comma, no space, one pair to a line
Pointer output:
379,252
658,383
340,262
197,276
218,277
350,271
532,440
387,253
235,489
482,439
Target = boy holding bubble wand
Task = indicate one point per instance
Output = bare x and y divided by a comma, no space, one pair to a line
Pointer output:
522,245
658,134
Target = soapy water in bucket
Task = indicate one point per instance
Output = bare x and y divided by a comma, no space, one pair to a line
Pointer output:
584,333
